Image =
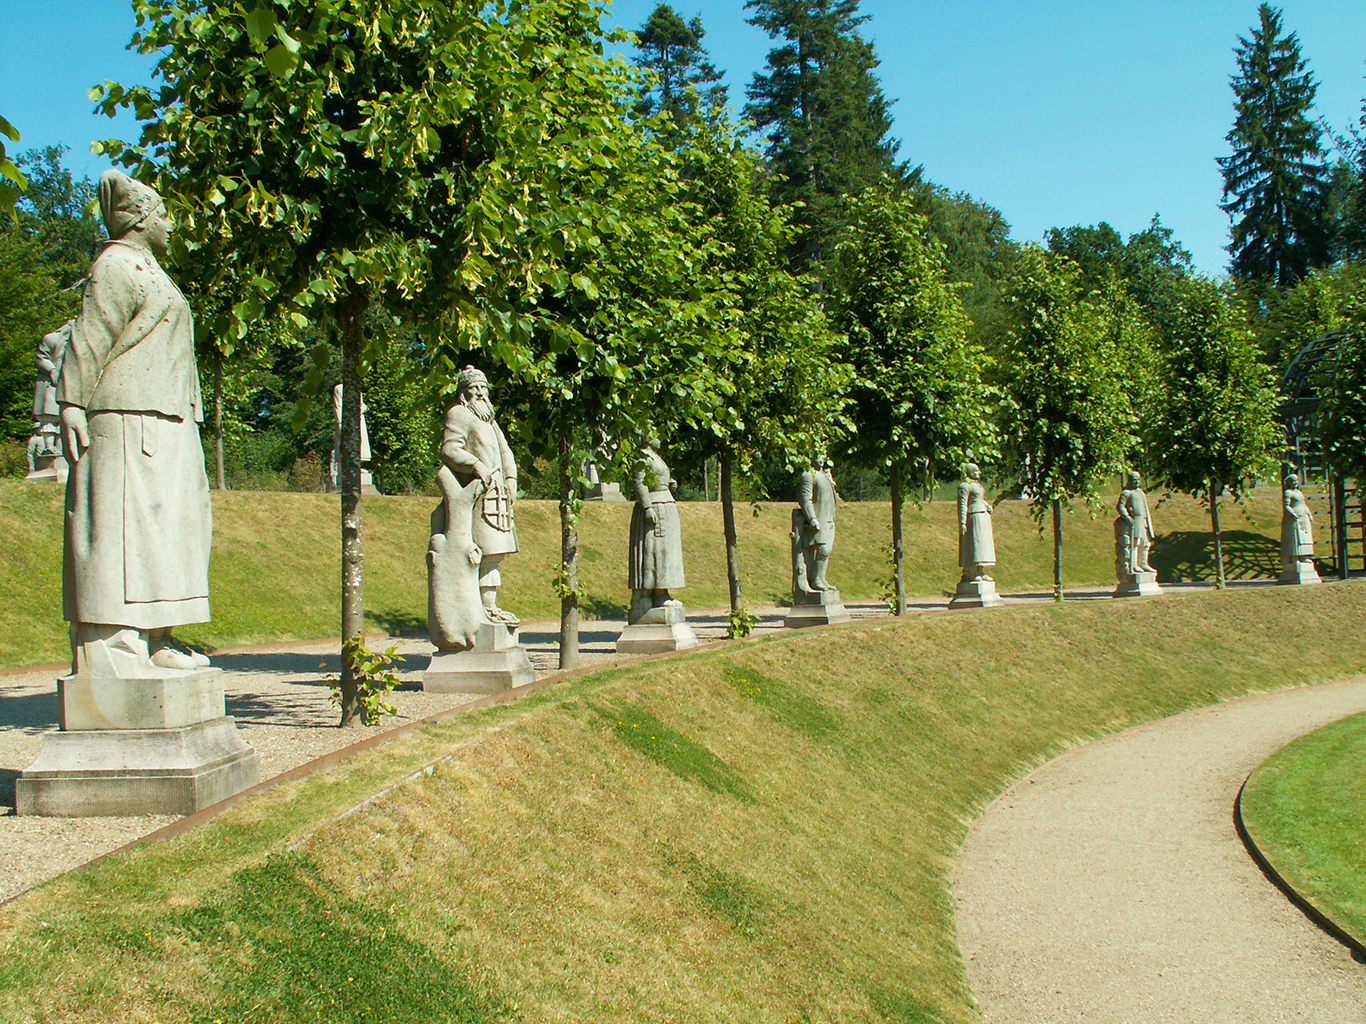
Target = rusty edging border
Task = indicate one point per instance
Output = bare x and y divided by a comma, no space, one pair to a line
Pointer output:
1300,902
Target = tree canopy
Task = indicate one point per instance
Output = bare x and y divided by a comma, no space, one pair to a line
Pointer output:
686,85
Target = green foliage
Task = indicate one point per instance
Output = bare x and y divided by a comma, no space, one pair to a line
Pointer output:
642,731
1287,319
824,115
740,623
1275,181
1341,418
10,189
1070,423
686,86
918,398
375,679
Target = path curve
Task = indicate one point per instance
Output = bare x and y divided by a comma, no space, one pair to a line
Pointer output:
1110,885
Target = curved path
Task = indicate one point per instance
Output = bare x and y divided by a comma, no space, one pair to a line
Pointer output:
1110,884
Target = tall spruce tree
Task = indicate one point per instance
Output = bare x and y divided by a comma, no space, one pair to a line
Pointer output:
824,113
1275,181
687,85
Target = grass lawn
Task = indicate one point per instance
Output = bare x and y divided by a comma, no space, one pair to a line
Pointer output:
757,832
276,568
1305,807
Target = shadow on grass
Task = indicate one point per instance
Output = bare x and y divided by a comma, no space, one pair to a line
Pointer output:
602,607
398,623
1189,556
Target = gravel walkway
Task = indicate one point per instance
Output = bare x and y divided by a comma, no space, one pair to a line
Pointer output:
1110,885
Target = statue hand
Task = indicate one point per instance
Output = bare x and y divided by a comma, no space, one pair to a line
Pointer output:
75,433
651,516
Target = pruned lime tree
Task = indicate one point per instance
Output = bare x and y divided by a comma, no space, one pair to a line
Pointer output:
1215,428
1341,418
331,158
1070,419
919,403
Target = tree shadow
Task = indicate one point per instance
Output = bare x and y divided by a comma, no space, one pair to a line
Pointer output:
602,607
1188,555
7,779
398,623
30,712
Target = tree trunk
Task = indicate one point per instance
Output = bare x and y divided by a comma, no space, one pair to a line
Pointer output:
218,419
350,315
1057,549
1215,490
898,566
737,599
569,556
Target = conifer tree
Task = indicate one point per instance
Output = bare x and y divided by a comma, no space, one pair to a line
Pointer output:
824,113
1275,181
687,85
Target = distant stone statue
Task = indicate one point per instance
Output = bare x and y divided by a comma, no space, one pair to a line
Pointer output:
473,529
976,545
1297,535
1134,537
814,601
656,619
45,461
138,523
143,725
367,482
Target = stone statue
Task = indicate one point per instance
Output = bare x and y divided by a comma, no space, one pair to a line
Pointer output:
656,620
1297,536
367,483
472,530
976,546
814,601
143,726
45,460
138,522
1133,540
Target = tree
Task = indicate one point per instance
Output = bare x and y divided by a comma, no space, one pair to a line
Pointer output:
919,403
1217,428
1070,421
9,190
346,154
686,85
57,209
1341,417
1275,180
824,114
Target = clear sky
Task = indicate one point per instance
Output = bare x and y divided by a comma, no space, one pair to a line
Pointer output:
1057,112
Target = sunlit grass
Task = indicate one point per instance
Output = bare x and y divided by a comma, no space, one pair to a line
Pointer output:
1305,807
756,833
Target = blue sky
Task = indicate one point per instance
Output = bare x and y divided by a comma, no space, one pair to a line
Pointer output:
1057,112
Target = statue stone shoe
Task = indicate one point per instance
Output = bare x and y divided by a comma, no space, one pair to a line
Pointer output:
167,652
496,614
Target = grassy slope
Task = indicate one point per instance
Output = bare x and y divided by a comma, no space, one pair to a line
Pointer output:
1305,807
276,569
760,832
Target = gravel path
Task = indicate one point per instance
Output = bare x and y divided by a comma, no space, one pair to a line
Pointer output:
1110,885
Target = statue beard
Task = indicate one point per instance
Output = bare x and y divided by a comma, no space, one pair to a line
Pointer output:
481,407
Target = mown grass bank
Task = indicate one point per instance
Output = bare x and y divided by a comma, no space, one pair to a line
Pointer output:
276,567
760,832
1305,808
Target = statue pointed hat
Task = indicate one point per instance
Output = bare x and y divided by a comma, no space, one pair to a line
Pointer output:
124,202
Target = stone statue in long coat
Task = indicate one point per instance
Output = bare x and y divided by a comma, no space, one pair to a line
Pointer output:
655,563
976,546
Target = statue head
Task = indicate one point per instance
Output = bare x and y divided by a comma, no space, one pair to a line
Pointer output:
972,471
472,391
1292,482
130,208
651,442
1133,480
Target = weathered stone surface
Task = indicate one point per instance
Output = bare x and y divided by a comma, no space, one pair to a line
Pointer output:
656,637
1137,584
137,771
1134,533
1297,536
824,610
978,593
496,662
655,557
976,544
170,701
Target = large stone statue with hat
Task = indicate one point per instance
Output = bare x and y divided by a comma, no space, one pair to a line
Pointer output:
473,529
656,621
1134,537
143,728
814,601
1297,535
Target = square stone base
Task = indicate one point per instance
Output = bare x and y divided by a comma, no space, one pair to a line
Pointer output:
659,630
495,663
172,701
603,492
815,608
1139,584
92,773
1301,573
976,594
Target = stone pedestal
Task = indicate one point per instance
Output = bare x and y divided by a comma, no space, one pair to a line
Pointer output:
49,467
1137,584
660,629
495,663
152,745
603,492
976,594
815,608
1299,573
